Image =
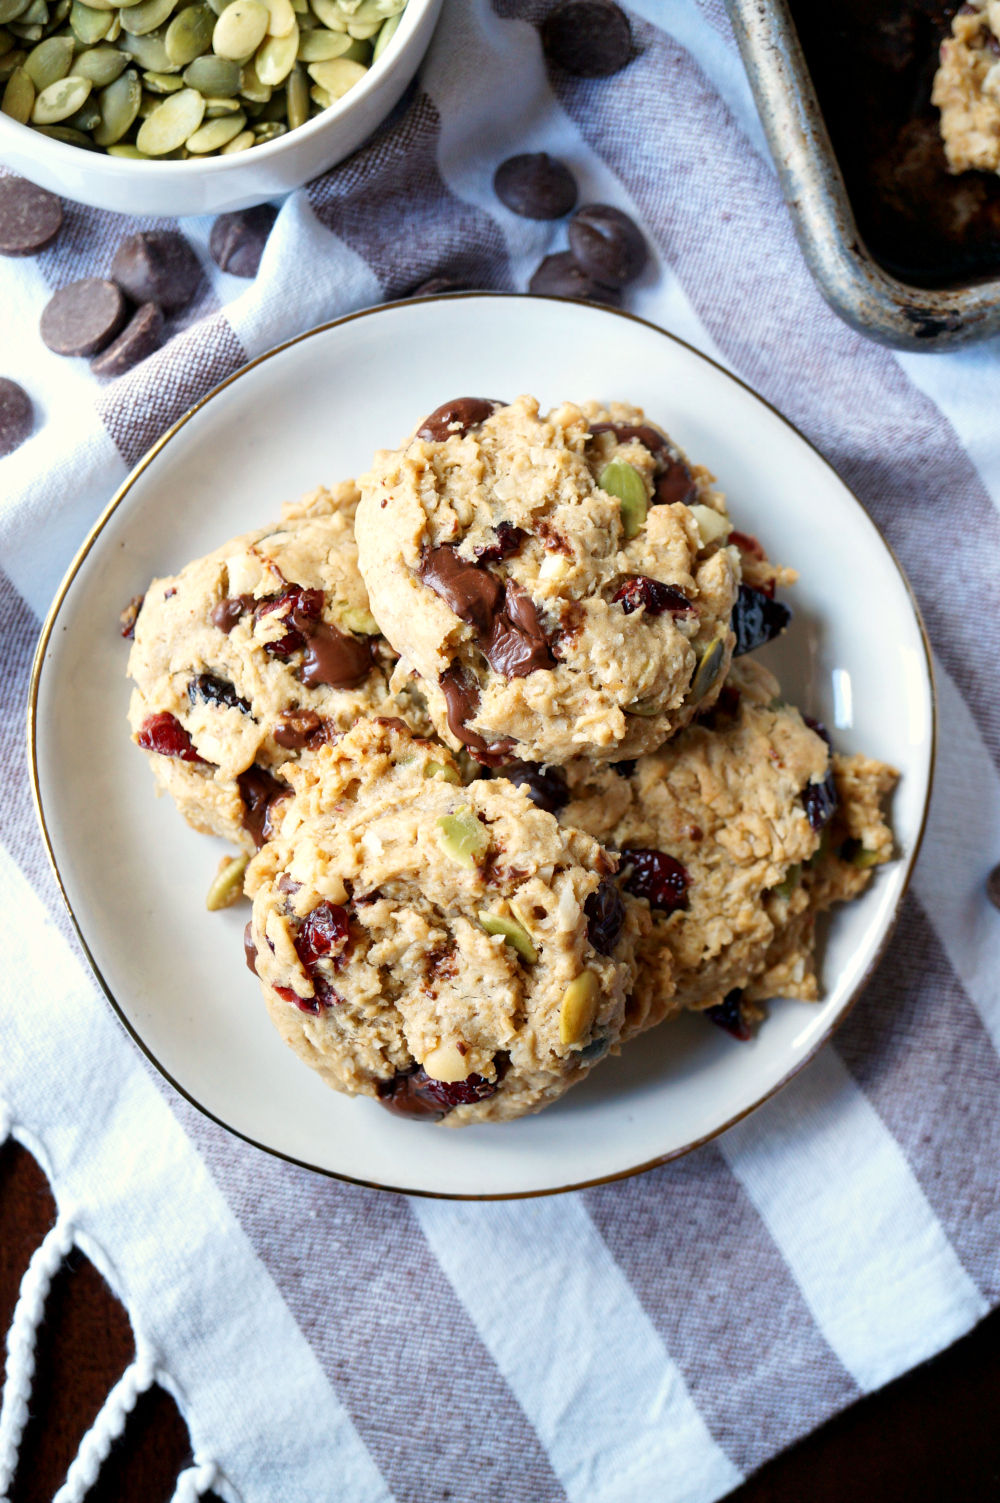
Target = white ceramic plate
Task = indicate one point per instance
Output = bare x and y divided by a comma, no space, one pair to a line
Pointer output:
135,876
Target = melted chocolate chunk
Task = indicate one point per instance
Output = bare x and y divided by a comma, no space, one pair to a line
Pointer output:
509,540
414,1094
216,691
656,597
461,693
756,619
288,884
820,801
659,878
729,1015
675,483
517,643
259,790
227,612
333,657
473,593
296,728
605,910
545,786
249,948
457,417
673,479
626,432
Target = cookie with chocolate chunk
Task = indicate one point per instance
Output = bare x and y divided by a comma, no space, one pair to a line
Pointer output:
562,584
448,951
251,657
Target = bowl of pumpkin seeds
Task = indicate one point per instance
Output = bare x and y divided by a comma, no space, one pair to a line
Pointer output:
172,107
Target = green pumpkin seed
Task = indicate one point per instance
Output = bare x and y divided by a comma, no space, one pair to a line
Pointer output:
578,1010
268,130
163,83
37,14
282,19
129,153
147,104
708,670
791,881
115,30
329,14
6,42
242,142
102,65
336,76
119,104
319,96
462,837
49,61
320,46
86,118
58,14
624,481
276,107
217,76
18,97
441,772
190,34
60,100
149,51
519,939
227,888
215,107
67,134
219,6
11,62
88,24
27,33
139,20
174,120
275,58
297,110
386,35
240,29
215,134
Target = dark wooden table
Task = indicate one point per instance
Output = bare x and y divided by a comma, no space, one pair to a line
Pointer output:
931,1437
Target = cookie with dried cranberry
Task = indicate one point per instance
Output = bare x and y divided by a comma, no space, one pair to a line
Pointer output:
733,836
541,575
250,657
449,951
967,89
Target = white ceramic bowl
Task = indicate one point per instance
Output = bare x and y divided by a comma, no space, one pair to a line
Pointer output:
135,875
217,184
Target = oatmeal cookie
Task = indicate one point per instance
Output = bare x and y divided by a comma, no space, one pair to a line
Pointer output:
967,89
561,584
249,657
450,951
734,835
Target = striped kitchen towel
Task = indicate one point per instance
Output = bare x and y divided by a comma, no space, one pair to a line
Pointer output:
657,1338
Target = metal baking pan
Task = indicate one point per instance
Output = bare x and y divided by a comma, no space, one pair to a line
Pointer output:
866,295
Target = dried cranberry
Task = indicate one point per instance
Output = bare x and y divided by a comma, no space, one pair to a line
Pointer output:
819,728
638,590
164,733
729,1015
509,540
658,877
820,801
545,786
304,1004
756,619
323,933
297,727
414,1094
216,691
747,544
605,912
